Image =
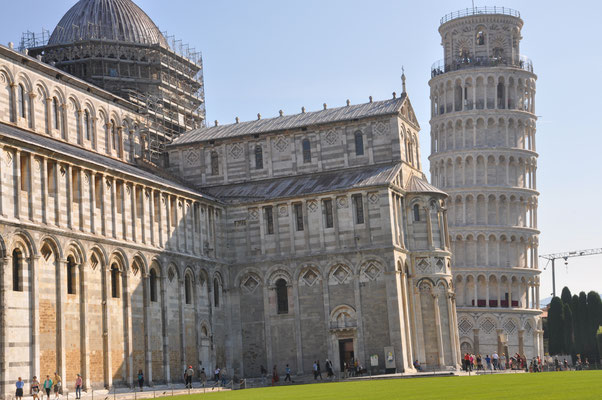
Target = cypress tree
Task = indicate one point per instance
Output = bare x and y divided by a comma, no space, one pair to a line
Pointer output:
567,327
577,345
594,319
555,331
566,296
581,324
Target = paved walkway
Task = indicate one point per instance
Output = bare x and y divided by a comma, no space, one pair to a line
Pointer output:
148,393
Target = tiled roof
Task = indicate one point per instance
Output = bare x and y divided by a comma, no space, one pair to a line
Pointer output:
345,113
418,185
295,186
103,163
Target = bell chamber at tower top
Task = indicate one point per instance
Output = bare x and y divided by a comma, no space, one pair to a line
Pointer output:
481,37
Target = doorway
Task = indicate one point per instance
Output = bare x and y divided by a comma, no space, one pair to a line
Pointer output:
346,354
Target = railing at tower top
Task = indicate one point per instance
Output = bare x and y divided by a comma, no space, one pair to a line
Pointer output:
479,11
441,67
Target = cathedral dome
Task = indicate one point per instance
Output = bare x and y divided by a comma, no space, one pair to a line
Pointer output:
115,20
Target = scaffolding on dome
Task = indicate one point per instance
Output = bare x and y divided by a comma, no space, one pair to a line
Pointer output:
165,82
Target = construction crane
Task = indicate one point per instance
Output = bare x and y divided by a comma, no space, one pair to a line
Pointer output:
565,257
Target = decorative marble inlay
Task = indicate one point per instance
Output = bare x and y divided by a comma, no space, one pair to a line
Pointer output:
192,157
510,326
236,151
465,326
253,214
340,274
331,137
487,326
310,277
423,264
281,143
250,284
283,210
372,271
381,128
342,202
373,198
312,205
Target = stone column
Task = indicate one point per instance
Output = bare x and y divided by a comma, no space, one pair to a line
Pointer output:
164,329
181,303
438,331
148,357
83,325
521,342
5,263
453,326
106,282
298,340
127,306
61,279
268,326
35,322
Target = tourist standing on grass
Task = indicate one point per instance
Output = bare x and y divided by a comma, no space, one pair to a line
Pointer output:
319,371
275,377
488,362
47,386
35,388
216,374
58,385
495,360
203,377
19,384
140,379
315,370
288,374
78,386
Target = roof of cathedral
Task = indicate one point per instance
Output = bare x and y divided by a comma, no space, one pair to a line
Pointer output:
345,113
295,186
418,185
103,163
115,20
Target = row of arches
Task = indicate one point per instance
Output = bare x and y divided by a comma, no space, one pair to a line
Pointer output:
482,92
38,107
493,209
138,300
494,250
469,133
484,169
497,290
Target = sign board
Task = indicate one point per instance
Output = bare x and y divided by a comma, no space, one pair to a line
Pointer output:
389,357
374,360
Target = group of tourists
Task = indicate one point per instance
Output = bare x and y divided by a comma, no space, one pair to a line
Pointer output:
471,362
49,385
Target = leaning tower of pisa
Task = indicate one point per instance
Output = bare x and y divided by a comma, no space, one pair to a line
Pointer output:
483,155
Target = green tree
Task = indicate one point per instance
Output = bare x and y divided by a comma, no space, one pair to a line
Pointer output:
555,323
593,321
577,344
599,338
581,324
567,330
566,296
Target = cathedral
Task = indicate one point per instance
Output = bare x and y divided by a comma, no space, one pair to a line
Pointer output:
135,237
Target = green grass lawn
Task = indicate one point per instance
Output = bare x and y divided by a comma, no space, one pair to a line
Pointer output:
547,385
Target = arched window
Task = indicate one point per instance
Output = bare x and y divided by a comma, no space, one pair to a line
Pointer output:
214,163
17,271
258,157
306,151
282,296
188,289
22,102
359,144
215,292
115,281
87,122
78,125
416,213
153,285
56,113
71,275
11,108
113,135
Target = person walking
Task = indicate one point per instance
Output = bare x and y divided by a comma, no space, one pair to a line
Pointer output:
496,360
329,371
488,362
47,386
315,368
216,375
78,386
275,377
58,385
223,377
35,388
288,374
319,371
203,377
189,374
140,379
19,384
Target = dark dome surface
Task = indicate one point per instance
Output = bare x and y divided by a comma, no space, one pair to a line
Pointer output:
118,20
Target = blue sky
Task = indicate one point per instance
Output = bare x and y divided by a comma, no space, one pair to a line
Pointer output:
262,56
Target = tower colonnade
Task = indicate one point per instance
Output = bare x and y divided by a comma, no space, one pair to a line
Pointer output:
483,154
